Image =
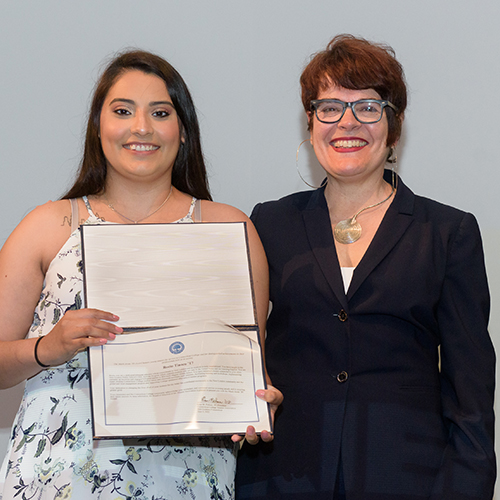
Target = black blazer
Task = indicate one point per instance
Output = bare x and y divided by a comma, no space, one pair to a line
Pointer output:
365,390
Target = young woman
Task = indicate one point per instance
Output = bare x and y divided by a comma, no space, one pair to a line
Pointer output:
142,163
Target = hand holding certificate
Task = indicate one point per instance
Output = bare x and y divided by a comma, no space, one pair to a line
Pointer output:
195,379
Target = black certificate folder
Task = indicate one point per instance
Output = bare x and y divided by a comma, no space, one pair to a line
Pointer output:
193,362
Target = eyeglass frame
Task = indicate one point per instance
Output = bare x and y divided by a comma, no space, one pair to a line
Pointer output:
345,105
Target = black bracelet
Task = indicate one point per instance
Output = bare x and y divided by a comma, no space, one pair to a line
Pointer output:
36,354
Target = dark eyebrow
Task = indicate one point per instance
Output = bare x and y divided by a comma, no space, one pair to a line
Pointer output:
130,101
157,103
120,99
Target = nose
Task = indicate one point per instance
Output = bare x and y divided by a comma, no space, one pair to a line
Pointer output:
141,124
348,121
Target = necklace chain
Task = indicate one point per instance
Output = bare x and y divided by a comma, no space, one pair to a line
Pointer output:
349,230
110,205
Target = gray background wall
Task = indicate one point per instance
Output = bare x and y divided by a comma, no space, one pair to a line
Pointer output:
242,61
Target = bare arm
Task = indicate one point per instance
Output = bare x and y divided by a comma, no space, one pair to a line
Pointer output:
24,260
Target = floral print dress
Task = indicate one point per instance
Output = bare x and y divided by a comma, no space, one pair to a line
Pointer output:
52,455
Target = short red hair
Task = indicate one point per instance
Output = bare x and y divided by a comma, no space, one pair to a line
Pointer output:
357,64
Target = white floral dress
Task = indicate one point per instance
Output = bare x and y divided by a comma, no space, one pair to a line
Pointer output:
52,454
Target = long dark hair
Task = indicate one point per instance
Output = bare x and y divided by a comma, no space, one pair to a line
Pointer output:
189,173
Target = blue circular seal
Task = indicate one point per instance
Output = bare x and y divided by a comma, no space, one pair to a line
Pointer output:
176,347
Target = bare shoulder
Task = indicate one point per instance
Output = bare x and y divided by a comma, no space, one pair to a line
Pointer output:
53,216
220,212
42,232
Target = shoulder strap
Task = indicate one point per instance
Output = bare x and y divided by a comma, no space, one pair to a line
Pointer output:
197,211
93,218
74,214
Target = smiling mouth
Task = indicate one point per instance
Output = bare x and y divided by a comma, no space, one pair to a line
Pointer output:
141,147
357,143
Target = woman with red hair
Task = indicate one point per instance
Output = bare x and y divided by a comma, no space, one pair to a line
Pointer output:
378,332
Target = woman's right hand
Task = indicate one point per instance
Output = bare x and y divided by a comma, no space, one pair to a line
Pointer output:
75,331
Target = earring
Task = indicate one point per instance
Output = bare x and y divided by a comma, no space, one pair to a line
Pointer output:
393,160
392,157
298,171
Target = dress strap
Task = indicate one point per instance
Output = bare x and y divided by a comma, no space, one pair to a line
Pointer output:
87,205
189,215
197,211
74,214
89,209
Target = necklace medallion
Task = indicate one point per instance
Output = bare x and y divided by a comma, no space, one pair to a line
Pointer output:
347,231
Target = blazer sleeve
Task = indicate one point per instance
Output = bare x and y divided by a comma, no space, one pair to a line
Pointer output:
467,371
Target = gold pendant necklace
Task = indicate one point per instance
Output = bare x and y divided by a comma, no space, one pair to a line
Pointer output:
110,205
349,230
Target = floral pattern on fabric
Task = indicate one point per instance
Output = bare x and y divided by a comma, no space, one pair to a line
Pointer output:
52,454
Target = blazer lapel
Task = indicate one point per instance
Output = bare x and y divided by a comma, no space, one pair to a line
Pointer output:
319,233
396,221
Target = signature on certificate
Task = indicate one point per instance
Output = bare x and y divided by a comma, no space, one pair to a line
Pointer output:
216,401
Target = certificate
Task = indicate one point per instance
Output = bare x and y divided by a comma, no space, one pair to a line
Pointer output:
183,370
169,274
196,379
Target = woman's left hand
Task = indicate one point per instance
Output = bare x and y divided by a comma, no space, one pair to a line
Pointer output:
274,397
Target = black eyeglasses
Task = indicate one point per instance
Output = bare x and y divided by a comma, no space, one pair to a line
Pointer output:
364,110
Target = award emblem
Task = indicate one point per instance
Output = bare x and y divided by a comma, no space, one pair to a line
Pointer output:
176,347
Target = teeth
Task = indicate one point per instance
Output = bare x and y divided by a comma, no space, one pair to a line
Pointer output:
141,147
349,144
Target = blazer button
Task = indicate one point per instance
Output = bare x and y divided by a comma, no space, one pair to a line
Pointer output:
342,377
342,315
